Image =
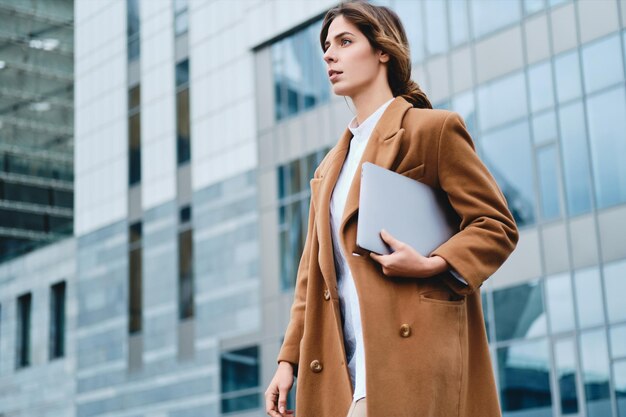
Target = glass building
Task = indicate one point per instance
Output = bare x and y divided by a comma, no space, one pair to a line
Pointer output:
198,125
36,124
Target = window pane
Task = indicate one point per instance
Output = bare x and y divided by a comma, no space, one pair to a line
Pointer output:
240,372
411,12
134,297
602,63
588,297
618,341
507,154
575,159
541,88
185,274
615,283
619,370
459,29
565,358
182,126
607,129
182,73
494,100
519,312
544,128
22,345
436,27
57,321
134,151
595,365
532,6
548,166
567,76
560,302
524,375
491,15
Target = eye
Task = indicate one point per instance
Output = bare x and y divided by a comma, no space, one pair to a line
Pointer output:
345,39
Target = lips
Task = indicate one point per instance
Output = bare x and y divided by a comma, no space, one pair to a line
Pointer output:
333,72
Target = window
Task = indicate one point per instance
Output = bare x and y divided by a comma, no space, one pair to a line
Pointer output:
132,29
607,124
589,304
293,212
22,355
615,284
565,361
57,321
240,379
560,302
299,70
134,135
519,312
134,278
524,375
595,366
185,265
181,17
183,147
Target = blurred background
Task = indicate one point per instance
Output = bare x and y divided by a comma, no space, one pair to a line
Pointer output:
155,158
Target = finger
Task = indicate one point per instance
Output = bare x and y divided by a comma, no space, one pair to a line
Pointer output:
270,403
392,241
282,399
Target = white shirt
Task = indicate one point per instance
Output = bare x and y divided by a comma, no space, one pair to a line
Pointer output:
348,297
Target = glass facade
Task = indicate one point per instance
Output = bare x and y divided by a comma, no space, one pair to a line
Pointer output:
299,73
293,212
240,380
36,124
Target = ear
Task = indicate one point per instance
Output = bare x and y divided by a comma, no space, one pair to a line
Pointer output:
383,56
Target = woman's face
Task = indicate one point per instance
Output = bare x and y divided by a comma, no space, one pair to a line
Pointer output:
348,52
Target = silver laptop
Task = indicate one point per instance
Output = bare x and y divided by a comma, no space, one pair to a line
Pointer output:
412,212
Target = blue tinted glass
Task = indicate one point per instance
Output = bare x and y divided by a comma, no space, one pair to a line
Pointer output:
588,297
595,367
410,12
544,128
607,129
567,71
541,88
532,6
277,52
464,105
602,63
619,370
575,159
182,73
560,302
240,370
508,155
547,161
436,27
555,2
615,284
565,360
524,376
459,30
491,15
496,102
618,341
519,312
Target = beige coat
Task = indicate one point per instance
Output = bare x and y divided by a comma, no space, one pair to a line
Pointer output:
426,350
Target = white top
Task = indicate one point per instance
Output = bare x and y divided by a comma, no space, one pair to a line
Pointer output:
348,297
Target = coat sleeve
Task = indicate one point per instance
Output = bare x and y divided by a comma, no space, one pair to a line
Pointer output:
290,350
487,233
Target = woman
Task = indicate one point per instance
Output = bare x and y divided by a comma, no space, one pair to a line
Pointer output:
400,334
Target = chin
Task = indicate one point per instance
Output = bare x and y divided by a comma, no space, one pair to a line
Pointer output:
340,90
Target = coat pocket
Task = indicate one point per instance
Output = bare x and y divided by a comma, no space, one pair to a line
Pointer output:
414,173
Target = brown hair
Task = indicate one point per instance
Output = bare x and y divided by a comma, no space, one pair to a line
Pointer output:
384,31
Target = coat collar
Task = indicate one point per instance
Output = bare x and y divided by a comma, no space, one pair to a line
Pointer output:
382,150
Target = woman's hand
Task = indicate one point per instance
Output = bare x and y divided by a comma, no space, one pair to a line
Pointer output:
405,261
276,393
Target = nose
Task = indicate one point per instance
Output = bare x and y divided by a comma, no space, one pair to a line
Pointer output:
328,55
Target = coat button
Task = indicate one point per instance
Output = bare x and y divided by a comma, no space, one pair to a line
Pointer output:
316,366
326,294
405,330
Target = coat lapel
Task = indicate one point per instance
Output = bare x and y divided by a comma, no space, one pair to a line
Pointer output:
382,149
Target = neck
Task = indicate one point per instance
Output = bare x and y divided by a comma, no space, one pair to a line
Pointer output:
367,102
